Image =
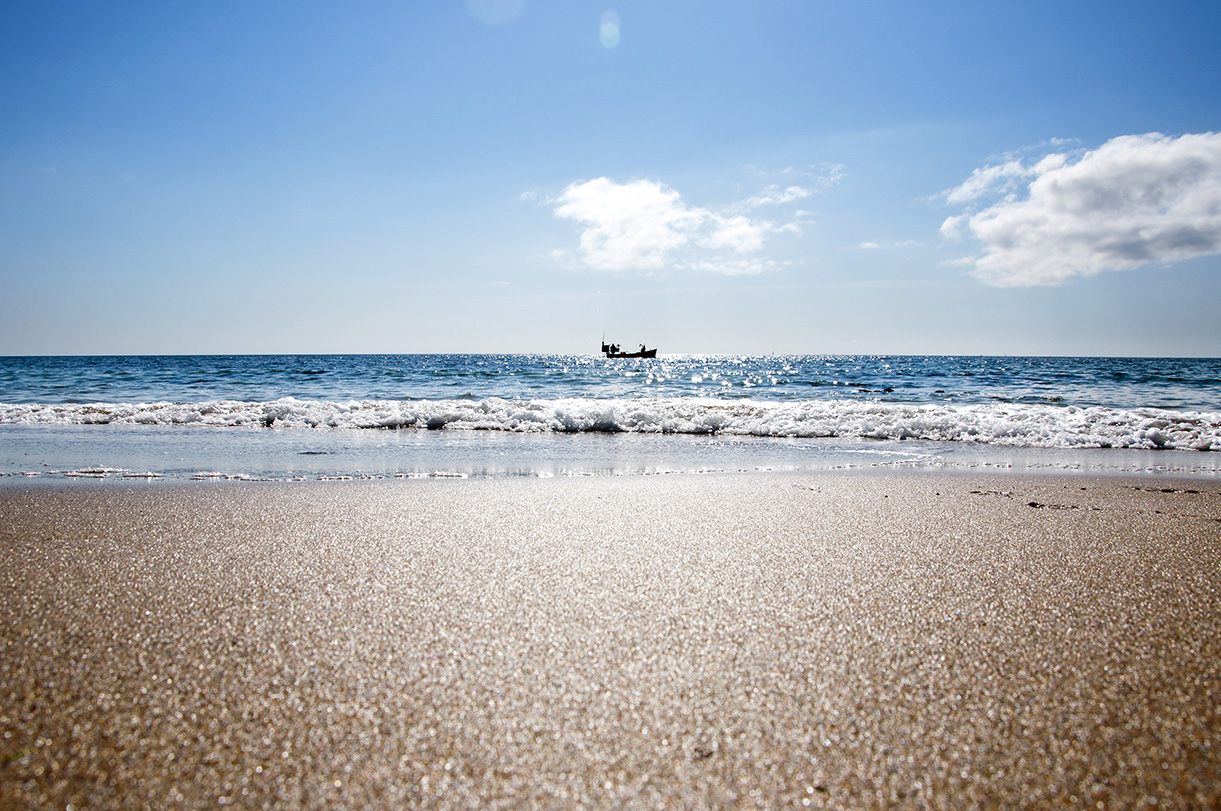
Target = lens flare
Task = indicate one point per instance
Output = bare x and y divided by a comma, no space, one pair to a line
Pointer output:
495,12
608,30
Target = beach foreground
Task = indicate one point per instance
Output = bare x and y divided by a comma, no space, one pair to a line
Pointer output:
761,640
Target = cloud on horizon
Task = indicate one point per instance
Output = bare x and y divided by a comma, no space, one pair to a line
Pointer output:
645,225
1135,200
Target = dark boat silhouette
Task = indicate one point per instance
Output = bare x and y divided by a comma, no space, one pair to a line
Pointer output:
613,351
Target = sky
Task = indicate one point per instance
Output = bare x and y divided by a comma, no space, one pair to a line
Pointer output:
533,175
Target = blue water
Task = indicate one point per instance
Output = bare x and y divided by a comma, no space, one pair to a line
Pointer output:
286,416
1181,383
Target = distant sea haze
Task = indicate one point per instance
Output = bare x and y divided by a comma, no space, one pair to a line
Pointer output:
1036,402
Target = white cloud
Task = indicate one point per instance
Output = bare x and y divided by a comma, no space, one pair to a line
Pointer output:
776,196
985,180
739,234
736,266
905,243
1135,200
629,225
645,225
822,176
952,227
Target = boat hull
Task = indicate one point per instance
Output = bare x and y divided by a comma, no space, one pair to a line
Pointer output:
648,353
612,351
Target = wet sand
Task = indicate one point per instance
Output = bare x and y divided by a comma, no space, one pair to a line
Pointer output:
722,641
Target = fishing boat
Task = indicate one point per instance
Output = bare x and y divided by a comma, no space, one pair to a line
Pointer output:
613,351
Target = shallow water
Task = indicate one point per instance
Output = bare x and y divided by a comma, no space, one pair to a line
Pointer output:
174,454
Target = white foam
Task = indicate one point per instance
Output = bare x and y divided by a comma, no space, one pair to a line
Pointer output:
1009,424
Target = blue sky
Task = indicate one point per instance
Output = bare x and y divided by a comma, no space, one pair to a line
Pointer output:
526,175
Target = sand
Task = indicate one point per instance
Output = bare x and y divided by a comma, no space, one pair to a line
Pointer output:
837,640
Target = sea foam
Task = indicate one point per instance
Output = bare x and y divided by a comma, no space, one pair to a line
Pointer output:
1008,424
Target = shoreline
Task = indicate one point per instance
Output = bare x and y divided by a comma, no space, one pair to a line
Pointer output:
183,454
120,478
826,639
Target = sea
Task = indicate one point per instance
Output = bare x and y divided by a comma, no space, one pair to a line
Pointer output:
340,417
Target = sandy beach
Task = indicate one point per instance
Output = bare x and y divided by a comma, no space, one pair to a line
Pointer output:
838,640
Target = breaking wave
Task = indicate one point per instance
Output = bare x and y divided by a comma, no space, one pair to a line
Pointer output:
1009,424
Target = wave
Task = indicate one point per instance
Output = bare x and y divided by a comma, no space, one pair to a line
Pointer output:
1010,424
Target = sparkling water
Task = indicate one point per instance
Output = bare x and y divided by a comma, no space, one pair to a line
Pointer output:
288,416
